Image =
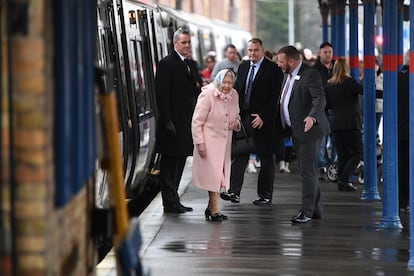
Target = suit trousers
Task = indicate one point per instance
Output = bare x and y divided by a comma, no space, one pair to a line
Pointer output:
265,179
349,147
171,170
307,155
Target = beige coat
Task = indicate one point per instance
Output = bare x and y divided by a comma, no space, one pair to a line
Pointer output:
210,125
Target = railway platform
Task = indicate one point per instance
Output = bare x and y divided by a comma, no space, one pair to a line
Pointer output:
261,240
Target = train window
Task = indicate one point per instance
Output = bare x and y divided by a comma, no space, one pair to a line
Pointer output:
139,84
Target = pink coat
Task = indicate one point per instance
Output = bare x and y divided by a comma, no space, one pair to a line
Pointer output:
210,125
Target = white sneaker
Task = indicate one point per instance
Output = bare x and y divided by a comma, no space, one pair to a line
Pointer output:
251,168
286,167
257,164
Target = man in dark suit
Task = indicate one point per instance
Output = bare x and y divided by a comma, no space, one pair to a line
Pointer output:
258,84
301,112
176,93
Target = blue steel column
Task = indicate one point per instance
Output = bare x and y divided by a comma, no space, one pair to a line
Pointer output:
370,191
324,9
400,34
340,39
390,217
353,39
411,138
334,30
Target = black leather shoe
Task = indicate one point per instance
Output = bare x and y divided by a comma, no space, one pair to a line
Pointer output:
262,201
214,217
347,187
301,218
226,195
235,198
186,208
173,209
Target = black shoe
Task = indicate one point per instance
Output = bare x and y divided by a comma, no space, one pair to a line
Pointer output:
262,201
348,187
186,208
173,209
216,217
226,195
301,218
235,198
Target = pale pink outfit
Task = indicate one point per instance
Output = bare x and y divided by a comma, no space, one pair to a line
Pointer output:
210,125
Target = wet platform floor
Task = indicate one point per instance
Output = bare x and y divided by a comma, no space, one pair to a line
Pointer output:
261,240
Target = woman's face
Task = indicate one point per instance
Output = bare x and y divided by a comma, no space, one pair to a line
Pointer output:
227,84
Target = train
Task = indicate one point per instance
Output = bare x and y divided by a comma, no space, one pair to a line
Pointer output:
132,37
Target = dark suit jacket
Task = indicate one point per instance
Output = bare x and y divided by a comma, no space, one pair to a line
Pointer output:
176,94
265,90
343,101
307,99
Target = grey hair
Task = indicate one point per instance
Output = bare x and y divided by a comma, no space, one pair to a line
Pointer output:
180,31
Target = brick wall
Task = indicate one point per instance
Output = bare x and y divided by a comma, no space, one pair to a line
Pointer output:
49,241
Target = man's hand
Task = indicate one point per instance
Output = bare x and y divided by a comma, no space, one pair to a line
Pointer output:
257,122
309,122
170,128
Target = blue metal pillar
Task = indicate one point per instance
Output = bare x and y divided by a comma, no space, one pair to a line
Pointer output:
400,34
340,47
370,191
353,39
324,9
334,31
390,217
411,138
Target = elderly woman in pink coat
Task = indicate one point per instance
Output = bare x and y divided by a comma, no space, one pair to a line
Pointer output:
215,117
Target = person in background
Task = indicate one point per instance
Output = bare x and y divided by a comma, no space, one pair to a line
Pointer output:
403,137
215,117
378,93
230,62
210,61
287,156
258,83
300,113
324,64
343,101
176,93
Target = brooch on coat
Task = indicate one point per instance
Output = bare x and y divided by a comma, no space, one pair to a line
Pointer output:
221,95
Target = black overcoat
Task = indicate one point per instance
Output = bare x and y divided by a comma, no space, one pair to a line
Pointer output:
176,94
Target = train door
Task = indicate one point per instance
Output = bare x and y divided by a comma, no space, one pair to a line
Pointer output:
142,95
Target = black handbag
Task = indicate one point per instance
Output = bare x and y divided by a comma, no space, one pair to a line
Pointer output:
242,143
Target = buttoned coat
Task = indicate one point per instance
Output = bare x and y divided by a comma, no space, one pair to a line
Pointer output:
176,93
210,125
265,91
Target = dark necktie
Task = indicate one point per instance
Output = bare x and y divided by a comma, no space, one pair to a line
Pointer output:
282,100
187,63
249,87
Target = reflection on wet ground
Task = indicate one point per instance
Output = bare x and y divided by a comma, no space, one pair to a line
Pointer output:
262,241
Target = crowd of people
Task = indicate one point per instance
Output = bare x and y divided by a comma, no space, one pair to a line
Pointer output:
290,105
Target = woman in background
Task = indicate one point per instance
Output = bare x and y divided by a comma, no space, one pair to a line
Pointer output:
342,93
215,117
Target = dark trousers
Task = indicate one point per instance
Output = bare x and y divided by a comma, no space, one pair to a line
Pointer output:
265,178
307,154
349,147
403,174
171,170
